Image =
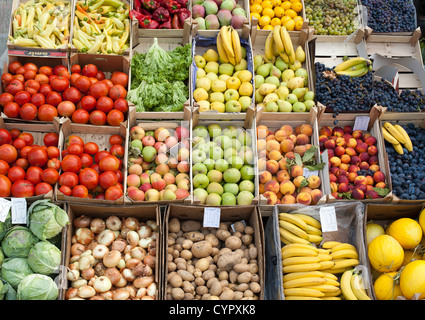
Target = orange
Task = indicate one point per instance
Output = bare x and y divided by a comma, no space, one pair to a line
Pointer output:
284,19
298,25
298,18
264,20
290,25
268,12
275,21
256,8
279,12
268,27
267,4
276,3
286,5
291,13
255,15
297,6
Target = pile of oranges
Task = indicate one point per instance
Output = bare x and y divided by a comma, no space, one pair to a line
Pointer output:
269,13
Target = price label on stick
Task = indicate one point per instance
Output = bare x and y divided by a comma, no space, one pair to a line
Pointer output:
361,123
4,209
328,219
211,217
19,211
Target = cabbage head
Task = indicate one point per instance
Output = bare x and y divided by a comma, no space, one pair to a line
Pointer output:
44,258
18,241
4,226
37,287
1,256
14,270
46,219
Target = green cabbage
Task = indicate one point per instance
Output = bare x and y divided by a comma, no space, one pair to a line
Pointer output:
37,287
44,258
4,226
1,256
14,270
46,219
18,241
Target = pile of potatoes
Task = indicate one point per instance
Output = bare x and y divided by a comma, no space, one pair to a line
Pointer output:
113,259
211,263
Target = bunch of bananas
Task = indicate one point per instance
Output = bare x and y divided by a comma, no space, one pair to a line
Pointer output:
354,67
397,136
352,286
299,228
342,256
229,45
279,43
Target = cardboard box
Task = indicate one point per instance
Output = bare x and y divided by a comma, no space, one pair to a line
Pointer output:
374,128
142,214
274,122
202,41
349,229
248,214
384,214
248,124
153,124
90,133
38,132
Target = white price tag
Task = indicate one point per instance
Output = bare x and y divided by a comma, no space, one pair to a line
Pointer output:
4,209
211,217
19,211
307,173
361,123
328,219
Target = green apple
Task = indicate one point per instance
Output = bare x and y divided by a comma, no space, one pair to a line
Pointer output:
218,85
215,187
309,104
258,80
216,153
231,188
245,138
284,106
226,68
223,141
215,176
230,152
200,131
200,194
228,199
149,153
232,175
273,80
299,107
200,181
235,162
214,130
245,198
246,154
217,97
211,66
210,163
199,168
213,199
200,73
203,147
231,131
247,185
233,106
198,156
231,94
309,95
137,143
245,102
198,141
247,172
271,107
211,144
236,144
291,98
221,165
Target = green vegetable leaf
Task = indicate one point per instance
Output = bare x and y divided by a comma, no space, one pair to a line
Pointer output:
382,191
316,167
298,159
309,154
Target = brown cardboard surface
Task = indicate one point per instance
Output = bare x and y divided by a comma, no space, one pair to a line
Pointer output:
249,214
141,213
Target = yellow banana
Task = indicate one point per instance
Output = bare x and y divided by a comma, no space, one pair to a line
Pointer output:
335,271
345,254
275,51
324,257
388,137
295,220
293,228
301,282
236,42
347,292
399,148
408,145
349,63
289,236
220,49
314,230
330,298
324,265
394,132
345,263
284,57
354,73
287,42
330,244
343,246
323,251
301,267
296,252
356,282
285,241
309,220
268,49
299,260
325,288
299,246
314,238
303,292
277,38
360,65
303,274
301,298
291,56
227,41
331,282
333,294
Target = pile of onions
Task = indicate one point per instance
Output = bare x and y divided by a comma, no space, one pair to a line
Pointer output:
112,259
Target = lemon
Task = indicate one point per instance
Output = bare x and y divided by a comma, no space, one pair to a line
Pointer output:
264,20
267,4
279,12
299,25
276,3
284,19
256,8
255,15
268,12
290,25
286,5
268,27
291,13
297,6
275,21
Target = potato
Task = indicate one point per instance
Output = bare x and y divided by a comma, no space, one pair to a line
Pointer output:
246,239
244,277
199,281
177,293
176,281
171,266
233,243
201,290
208,274
188,287
186,254
227,294
233,276
223,275
186,275
227,260
241,267
188,296
238,295
190,225
202,264
255,287
253,252
213,239
174,225
216,288
222,234
242,287
201,249
239,226
195,236
249,230
187,244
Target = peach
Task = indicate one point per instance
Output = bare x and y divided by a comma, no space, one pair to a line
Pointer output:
272,186
334,187
333,170
370,141
331,153
372,150
344,166
350,151
279,195
361,147
272,145
364,165
265,176
302,138
314,181
288,199
325,130
280,135
272,166
339,151
341,172
357,134
329,144
364,156
338,131
369,187
261,189
271,197
348,129
275,155
366,136
343,188
298,180
355,160
306,129
305,189
335,161
323,138
357,194
351,142
360,180
373,160
340,141
282,163
270,137
262,131
362,187
347,136
300,149
286,145
293,138
374,167
353,168
290,155
342,179
263,154
336,195
261,144
297,171
287,187
345,158
332,177
369,180
352,176
287,128
304,198
283,175
316,195
261,163
381,185
371,194
379,176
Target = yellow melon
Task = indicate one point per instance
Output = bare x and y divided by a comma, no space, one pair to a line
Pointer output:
406,231
412,280
385,253
387,287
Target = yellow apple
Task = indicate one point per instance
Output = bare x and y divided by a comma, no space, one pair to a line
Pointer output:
211,55
245,76
216,96
224,77
212,76
218,85
233,83
200,61
245,102
219,106
204,105
211,66
200,94
203,83
246,89
200,73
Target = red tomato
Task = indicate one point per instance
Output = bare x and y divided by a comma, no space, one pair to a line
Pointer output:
116,139
117,91
93,80
47,112
97,118
5,136
57,70
65,190
69,179
75,68
105,104
91,148
42,188
19,77
89,70
13,66
48,71
120,176
121,105
21,70
38,99
5,98
53,152
71,163
113,193
22,189
100,196
53,98
114,117
88,103
80,116
86,160
28,137
73,139
51,139
22,97
4,167
33,175
59,83
50,175
5,186
19,143
80,191
75,149
24,151
109,163
117,150
32,86
8,153
74,78
107,179
16,173
12,110
89,178
23,163
14,87
72,94
30,66
95,166
98,89
83,83
119,77
41,79
45,89
100,75
29,74
66,108
54,163
28,111
38,157
15,133
6,78
100,155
